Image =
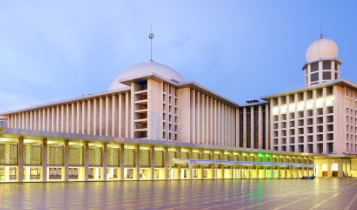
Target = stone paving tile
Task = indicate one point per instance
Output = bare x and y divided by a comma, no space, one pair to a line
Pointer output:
289,194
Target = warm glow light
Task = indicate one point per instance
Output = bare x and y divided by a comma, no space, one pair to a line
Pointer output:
301,106
309,104
283,109
275,110
319,102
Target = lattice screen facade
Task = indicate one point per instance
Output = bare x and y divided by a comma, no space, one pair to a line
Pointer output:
95,156
75,155
159,159
172,154
8,153
235,158
32,154
195,156
184,155
113,157
129,157
226,158
145,158
55,154
206,156
217,157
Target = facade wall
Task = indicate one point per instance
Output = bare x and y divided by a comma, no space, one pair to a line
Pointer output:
350,113
306,121
253,126
212,122
102,116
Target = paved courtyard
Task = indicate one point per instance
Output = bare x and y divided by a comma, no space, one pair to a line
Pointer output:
320,193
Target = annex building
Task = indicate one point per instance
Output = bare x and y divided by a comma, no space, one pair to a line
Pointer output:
152,124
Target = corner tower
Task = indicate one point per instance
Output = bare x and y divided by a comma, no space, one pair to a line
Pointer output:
321,64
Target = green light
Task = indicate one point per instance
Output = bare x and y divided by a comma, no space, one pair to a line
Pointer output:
251,154
260,155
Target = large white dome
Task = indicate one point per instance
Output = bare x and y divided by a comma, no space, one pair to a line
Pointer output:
321,49
146,68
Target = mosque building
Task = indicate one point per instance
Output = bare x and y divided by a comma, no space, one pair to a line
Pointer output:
152,124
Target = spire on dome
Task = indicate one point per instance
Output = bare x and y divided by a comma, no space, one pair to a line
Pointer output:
151,37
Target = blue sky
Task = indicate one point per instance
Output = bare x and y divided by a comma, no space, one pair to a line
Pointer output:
54,50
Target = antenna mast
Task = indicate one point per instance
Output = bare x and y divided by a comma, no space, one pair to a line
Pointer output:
151,37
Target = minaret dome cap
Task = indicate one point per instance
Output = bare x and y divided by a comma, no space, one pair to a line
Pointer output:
321,49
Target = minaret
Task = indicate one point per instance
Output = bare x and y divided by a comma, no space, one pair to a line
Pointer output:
321,64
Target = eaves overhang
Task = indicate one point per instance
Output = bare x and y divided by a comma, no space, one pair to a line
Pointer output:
339,82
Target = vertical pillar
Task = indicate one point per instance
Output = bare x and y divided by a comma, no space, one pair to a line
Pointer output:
21,160
86,161
66,160
105,165
44,160
152,159
202,157
138,162
257,170
178,152
166,161
122,162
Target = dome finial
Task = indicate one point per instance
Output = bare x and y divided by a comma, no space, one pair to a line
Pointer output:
321,35
151,37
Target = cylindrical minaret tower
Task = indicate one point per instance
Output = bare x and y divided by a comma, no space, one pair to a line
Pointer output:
322,64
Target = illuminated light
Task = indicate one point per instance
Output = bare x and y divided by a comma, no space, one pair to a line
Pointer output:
251,154
283,109
292,107
334,167
275,110
330,100
260,155
301,106
310,104
319,102
74,143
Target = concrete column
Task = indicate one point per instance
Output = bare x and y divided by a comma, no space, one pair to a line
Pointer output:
166,159
244,127
122,162
86,161
121,116
21,160
152,159
252,143
178,155
44,160
127,116
202,167
66,160
340,168
114,114
193,117
138,162
105,165
198,118
260,128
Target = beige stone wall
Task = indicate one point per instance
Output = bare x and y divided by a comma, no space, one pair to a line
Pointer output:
102,115
350,113
308,121
212,121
